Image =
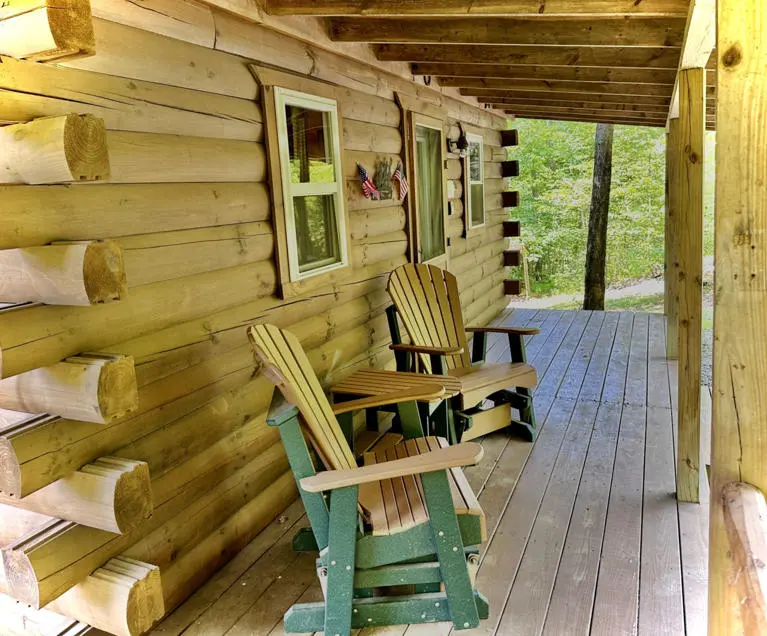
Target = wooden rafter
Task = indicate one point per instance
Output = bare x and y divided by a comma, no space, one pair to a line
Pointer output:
603,56
639,31
589,119
510,104
615,88
659,8
566,96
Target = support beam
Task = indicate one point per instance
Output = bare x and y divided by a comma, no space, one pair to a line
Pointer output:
596,31
692,106
489,94
85,273
505,103
46,30
638,117
99,388
739,431
614,88
601,56
54,150
426,8
672,241
589,119
111,494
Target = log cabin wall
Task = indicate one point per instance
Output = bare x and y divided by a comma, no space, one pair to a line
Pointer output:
187,201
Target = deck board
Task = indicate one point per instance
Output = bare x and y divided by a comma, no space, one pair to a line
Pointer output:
585,535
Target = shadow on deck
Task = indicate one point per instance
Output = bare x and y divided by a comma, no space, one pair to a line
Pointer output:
586,535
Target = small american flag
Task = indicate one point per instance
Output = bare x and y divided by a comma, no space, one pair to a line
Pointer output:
368,189
399,177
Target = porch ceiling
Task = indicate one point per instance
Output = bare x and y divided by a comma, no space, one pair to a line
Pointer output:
580,60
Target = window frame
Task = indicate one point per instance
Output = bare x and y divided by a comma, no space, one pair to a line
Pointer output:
273,82
289,97
472,137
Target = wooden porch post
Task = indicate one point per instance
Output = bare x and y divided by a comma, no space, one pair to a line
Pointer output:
671,274
692,130
739,435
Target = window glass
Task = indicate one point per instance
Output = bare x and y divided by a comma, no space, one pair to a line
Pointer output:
309,146
429,192
475,196
475,161
316,231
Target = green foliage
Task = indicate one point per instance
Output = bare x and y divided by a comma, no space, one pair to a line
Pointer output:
556,167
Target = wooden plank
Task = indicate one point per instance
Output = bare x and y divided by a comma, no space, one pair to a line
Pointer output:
615,377
572,599
659,8
593,382
692,149
567,86
617,595
636,372
547,351
576,371
528,601
672,239
551,377
739,431
658,390
660,591
622,121
540,96
587,102
597,31
603,56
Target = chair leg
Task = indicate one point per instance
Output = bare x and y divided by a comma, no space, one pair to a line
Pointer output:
449,547
340,561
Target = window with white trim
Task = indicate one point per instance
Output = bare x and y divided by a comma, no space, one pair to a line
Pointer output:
312,183
475,181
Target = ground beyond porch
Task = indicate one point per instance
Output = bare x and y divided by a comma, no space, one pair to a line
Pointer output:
586,535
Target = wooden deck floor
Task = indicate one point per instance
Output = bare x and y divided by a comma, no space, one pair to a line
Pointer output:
586,535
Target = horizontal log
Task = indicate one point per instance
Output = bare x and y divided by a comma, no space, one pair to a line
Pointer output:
567,73
33,90
150,258
367,108
20,620
453,169
455,208
586,88
54,150
46,30
111,494
85,273
511,229
39,215
28,342
370,137
596,31
370,223
600,56
183,64
123,597
150,158
91,387
428,8
384,247
44,564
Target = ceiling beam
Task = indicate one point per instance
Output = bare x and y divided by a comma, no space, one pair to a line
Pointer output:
566,73
487,95
659,8
699,42
587,119
502,103
635,31
616,88
608,56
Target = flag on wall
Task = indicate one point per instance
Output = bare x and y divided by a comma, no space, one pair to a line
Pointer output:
399,177
368,189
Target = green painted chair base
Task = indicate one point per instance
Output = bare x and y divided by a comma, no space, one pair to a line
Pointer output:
381,611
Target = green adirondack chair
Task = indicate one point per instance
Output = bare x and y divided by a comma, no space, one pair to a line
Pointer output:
406,518
426,299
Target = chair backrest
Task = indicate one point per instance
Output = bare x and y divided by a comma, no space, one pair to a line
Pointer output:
426,298
287,367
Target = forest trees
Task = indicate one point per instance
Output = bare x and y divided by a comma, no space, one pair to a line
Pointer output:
596,247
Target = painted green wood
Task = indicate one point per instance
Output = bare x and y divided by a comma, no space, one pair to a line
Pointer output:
285,417
381,611
305,541
340,560
414,543
479,347
410,420
404,574
527,425
447,539
403,359
346,422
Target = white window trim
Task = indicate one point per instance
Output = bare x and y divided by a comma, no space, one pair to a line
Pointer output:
474,138
284,97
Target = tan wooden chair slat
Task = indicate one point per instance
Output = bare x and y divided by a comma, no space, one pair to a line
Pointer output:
284,353
433,281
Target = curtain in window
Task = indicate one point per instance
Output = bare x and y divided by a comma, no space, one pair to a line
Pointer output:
429,191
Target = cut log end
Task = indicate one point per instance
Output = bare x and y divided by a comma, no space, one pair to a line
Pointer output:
118,389
133,492
20,578
104,272
85,147
10,470
146,604
66,26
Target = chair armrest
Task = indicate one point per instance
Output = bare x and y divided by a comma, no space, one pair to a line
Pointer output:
522,331
466,454
432,351
426,393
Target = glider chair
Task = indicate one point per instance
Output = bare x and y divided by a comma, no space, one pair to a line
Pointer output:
398,538
426,300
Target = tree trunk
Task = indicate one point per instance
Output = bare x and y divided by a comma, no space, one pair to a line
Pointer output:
596,249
